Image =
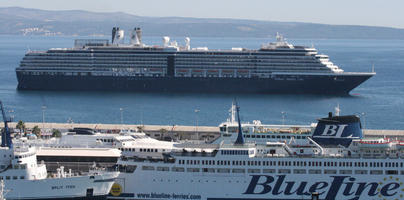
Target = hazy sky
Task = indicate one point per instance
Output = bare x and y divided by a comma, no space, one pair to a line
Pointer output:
358,12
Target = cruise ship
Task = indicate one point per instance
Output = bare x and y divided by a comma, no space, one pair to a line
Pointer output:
22,177
336,163
97,64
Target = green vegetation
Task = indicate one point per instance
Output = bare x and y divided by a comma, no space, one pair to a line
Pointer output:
37,131
21,126
56,133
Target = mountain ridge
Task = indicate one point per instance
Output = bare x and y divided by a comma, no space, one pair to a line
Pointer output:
28,21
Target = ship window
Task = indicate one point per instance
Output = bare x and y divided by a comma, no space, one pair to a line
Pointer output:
7,177
299,171
254,171
238,170
147,168
177,169
345,171
15,177
314,171
223,170
361,171
391,172
330,171
192,169
270,171
376,172
163,169
284,171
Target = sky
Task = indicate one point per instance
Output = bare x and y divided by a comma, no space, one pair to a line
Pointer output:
389,13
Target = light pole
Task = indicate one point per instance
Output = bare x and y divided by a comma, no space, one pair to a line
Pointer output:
121,109
283,117
43,116
43,119
196,123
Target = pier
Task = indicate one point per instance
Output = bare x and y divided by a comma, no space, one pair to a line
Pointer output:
173,131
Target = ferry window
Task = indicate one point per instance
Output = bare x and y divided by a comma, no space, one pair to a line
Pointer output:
298,137
273,136
391,172
258,136
329,171
271,171
147,168
15,177
278,136
376,172
314,171
177,169
7,178
238,170
254,171
284,171
299,171
361,171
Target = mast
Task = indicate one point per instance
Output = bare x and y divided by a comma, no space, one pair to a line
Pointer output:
240,138
5,135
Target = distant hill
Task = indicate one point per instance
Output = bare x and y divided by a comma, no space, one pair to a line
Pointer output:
23,21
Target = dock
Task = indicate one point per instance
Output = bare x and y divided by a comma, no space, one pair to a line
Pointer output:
174,131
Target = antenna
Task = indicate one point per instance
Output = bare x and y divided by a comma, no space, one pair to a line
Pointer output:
233,112
337,110
240,138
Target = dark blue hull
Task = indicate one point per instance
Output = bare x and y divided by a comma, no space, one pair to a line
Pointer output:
292,84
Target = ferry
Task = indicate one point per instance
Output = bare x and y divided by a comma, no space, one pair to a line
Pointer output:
334,165
98,64
23,178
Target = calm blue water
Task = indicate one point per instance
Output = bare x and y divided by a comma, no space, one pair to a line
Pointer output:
380,100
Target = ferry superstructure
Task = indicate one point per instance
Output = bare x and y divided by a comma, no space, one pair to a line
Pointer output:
340,164
100,149
24,178
277,67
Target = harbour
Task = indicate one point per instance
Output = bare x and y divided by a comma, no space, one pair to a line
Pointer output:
130,116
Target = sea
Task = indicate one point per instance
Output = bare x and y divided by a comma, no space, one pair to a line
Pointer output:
379,101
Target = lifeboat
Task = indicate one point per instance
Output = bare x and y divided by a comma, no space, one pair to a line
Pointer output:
400,144
380,143
183,70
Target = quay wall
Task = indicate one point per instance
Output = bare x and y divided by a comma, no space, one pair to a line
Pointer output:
179,131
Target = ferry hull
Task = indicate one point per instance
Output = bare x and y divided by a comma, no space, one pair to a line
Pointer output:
83,187
262,186
301,84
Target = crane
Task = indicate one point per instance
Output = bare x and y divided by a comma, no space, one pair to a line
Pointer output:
5,135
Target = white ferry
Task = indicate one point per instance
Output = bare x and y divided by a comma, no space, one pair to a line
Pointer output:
94,148
24,178
335,166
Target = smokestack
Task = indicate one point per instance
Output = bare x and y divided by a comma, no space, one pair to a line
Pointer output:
113,34
139,34
187,43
